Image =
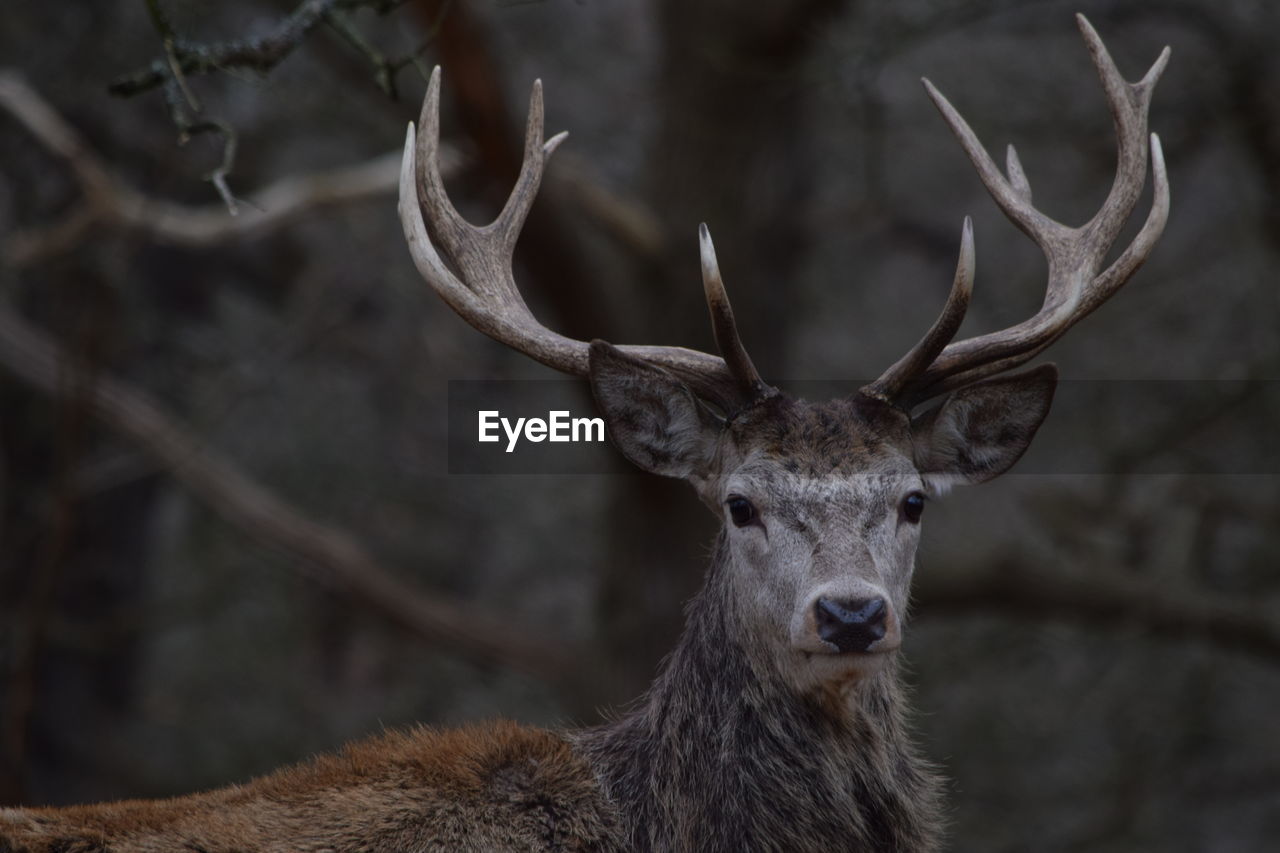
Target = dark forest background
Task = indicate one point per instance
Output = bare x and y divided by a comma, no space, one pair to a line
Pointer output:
228,533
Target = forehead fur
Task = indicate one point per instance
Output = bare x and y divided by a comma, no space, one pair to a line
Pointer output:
835,437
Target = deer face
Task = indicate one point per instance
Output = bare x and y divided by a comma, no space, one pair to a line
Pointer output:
819,507
821,502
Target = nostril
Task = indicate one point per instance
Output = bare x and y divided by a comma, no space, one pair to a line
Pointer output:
874,612
830,616
851,625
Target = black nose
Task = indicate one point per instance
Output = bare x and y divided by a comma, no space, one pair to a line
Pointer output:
851,626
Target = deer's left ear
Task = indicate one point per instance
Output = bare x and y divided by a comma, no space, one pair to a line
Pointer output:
653,418
980,431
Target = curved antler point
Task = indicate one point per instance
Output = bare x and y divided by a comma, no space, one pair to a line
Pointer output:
1017,175
429,118
704,239
712,282
723,327
965,264
408,165
554,142
1156,70
1158,170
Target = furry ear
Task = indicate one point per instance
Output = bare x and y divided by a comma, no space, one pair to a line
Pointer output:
653,418
979,432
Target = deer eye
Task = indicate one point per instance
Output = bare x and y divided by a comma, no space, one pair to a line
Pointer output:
740,510
913,507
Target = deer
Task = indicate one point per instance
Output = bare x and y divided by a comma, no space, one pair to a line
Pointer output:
779,721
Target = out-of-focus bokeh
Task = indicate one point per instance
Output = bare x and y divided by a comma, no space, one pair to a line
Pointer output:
229,537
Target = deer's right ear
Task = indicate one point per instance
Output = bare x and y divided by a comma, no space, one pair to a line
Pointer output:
653,417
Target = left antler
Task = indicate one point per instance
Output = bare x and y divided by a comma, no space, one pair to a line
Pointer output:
1077,282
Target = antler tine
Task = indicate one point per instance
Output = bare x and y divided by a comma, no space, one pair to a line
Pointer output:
425,257
723,325
1076,281
449,224
895,380
1137,252
480,285
536,152
1014,204
1017,177
1129,103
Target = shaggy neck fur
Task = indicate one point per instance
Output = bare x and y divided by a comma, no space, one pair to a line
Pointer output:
722,754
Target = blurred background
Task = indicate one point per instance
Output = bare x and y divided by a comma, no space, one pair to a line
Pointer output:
229,537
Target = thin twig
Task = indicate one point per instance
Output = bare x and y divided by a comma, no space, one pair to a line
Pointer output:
386,69
160,20
218,176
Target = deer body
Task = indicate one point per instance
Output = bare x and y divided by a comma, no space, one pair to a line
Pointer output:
496,787
778,723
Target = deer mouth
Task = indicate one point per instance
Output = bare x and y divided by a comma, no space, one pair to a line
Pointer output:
878,649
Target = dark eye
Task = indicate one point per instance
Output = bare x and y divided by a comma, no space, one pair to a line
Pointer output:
913,507
740,510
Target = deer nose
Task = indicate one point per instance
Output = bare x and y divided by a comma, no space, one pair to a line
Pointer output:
851,626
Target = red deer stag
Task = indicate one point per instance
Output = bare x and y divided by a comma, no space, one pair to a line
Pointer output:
778,722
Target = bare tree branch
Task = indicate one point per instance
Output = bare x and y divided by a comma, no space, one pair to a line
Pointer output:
109,200
184,57
260,54
1012,590
332,555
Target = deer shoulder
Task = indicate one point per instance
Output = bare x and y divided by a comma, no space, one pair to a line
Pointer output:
484,788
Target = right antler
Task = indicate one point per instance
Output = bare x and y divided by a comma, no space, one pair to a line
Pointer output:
1077,283
483,290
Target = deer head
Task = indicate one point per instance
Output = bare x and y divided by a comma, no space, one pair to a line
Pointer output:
821,502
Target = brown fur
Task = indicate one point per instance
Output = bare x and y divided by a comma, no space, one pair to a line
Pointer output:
482,788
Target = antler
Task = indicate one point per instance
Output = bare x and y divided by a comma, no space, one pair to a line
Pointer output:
483,289
1077,282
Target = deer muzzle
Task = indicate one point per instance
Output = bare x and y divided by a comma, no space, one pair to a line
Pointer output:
851,625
